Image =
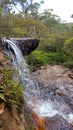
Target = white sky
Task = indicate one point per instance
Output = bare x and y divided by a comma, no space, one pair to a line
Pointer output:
62,8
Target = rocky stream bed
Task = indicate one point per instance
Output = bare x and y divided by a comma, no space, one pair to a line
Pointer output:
58,81
55,83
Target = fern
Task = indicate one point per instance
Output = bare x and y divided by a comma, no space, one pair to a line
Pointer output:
2,97
11,92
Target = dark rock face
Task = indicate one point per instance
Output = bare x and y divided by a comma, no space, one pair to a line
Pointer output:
27,45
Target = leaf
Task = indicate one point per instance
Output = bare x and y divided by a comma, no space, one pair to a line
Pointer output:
2,97
1,87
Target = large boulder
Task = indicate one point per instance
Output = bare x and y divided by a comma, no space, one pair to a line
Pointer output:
27,45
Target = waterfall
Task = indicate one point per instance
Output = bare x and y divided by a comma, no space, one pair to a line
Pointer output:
35,95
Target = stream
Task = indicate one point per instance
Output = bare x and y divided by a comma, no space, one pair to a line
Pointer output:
36,96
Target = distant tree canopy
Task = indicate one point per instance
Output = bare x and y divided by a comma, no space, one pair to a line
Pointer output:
25,7
49,19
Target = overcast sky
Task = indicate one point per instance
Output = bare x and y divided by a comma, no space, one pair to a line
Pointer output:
62,8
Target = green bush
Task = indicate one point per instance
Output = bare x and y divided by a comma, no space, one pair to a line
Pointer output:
11,92
68,47
40,58
54,58
53,43
37,59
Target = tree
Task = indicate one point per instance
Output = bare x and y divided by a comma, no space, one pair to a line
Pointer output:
35,28
25,7
34,10
49,19
7,6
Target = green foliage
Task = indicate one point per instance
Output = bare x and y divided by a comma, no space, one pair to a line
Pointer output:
56,58
18,32
2,95
40,58
49,19
37,59
27,7
35,28
68,47
50,44
56,42
11,92
60,39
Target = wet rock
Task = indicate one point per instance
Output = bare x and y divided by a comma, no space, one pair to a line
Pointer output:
57,85
57,123
27,45
57,81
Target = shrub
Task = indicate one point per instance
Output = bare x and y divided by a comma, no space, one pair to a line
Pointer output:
54,58
68,47
11,92
40,58
37,59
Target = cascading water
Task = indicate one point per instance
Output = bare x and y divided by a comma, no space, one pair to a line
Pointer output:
35,96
